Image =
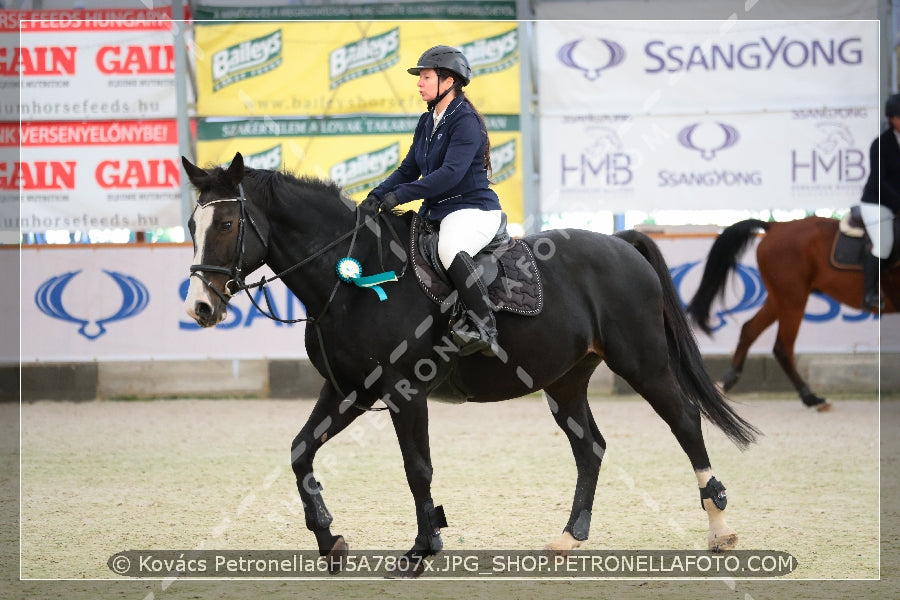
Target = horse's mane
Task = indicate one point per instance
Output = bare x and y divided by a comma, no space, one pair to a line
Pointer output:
280,183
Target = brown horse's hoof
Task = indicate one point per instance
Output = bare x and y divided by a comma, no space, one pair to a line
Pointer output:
824,406
337,556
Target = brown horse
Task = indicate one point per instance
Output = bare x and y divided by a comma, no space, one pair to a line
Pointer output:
794,261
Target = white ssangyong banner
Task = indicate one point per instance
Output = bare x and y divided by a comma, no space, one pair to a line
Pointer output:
803,158
108,303
87,64
678,67
92,175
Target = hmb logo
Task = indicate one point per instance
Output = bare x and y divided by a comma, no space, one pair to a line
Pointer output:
603,162
832,159
591,56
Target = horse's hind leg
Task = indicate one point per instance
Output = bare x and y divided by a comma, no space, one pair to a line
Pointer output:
567,398
329,416
645,368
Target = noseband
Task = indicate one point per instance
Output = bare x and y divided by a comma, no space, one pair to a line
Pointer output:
234,272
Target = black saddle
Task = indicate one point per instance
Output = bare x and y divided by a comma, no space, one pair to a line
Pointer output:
506,265
851,243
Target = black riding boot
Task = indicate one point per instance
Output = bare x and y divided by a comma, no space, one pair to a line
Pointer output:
478,331
872,296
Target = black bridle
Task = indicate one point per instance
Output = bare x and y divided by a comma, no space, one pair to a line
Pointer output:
236,277
234,272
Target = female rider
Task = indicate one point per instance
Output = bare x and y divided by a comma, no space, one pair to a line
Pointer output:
448,165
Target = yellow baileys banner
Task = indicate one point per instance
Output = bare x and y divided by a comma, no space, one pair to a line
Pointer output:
285,68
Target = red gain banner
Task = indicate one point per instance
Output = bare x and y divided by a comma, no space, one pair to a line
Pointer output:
87,64
89,175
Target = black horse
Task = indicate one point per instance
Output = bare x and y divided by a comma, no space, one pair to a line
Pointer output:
605,298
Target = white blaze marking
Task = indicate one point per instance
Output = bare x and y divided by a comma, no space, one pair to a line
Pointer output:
197,290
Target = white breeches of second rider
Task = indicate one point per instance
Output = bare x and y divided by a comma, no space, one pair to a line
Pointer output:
879,221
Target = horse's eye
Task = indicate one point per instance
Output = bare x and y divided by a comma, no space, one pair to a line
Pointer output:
225,226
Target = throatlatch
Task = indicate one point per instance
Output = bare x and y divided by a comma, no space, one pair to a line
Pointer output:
715,491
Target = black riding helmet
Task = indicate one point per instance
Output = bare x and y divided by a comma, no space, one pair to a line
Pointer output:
892,106
444,57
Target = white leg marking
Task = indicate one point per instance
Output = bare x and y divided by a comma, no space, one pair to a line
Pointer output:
721,537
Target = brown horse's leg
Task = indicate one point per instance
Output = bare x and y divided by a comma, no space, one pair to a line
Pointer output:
788,327
567,398
751,330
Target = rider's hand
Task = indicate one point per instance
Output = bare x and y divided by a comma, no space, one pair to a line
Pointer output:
371,204
390,201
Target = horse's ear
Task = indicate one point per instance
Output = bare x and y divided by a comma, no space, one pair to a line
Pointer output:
197,176
235,170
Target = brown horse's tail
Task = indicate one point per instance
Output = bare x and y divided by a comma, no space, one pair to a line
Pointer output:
694,381
723,256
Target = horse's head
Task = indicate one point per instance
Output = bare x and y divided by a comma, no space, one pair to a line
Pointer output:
230,239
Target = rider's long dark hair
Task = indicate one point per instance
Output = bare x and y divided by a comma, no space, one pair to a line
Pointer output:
458,89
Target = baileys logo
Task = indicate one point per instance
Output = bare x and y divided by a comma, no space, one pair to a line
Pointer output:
266,159
247,59
364,57
364,171
492,54
503,161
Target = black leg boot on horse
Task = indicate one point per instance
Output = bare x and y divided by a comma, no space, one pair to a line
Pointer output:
477,331
872,294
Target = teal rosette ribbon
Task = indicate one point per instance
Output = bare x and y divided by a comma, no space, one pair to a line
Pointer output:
349,270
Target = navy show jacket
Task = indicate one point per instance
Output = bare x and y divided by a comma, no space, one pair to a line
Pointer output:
444,165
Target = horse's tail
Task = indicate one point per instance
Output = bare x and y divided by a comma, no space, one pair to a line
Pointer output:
684,354
722,259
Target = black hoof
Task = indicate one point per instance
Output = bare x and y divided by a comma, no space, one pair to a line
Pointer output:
816,402
407,568
337,556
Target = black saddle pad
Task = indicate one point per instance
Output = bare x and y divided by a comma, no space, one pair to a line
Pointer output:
849,252
508,269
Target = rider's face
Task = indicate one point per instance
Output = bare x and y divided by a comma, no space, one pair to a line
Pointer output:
430,86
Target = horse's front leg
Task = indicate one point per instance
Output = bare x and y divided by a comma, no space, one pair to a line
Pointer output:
411,426
331,414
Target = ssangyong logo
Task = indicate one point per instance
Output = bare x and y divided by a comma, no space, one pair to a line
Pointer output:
492,54
592,56
364,57
365,170
503,161
49,300
752,297
708,139
247,59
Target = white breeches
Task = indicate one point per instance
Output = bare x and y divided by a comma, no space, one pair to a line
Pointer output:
466,230
879,221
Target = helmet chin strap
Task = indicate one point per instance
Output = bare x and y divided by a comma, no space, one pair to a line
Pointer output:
432,103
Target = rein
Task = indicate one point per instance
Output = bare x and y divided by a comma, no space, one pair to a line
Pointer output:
240,285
